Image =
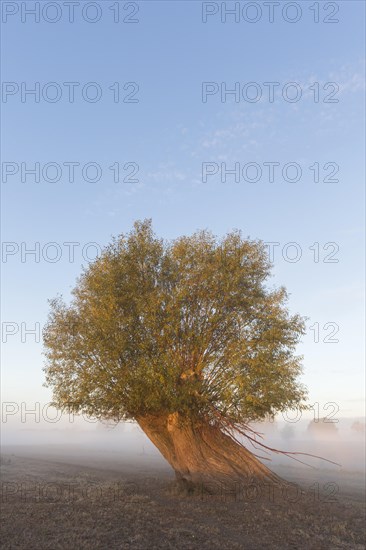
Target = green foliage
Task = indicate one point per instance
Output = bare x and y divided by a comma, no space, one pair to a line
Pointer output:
187,326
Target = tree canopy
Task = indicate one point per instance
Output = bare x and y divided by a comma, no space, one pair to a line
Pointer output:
188,326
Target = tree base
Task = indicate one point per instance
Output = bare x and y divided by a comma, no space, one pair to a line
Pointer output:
203,457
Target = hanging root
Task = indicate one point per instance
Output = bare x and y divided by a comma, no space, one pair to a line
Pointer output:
231,428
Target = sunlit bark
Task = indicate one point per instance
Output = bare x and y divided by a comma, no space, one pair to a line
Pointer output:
201,454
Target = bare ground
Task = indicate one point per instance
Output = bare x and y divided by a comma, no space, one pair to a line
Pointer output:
68,502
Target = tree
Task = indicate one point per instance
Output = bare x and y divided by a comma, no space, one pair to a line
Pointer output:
288,432
184,337
358,427
323,428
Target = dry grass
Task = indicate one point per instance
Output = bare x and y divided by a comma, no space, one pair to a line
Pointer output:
129,511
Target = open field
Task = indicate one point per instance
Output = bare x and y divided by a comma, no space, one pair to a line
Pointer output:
75,496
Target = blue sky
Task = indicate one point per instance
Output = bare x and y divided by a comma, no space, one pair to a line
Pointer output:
169,133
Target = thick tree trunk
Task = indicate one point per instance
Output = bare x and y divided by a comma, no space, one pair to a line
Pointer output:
202,455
